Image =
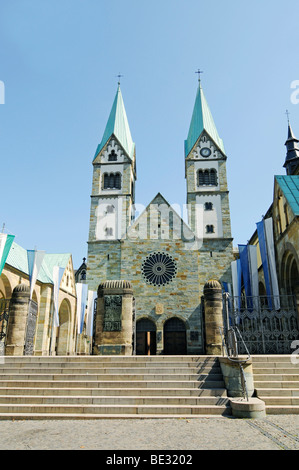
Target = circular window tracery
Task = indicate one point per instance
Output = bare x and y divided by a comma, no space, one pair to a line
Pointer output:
159,269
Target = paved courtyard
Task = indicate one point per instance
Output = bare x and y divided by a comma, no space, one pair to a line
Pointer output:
279,432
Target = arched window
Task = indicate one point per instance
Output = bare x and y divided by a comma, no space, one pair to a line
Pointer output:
110,209
112,181
209,228
106,181
208,206
213,177
117,181
199,178
112,157
207,177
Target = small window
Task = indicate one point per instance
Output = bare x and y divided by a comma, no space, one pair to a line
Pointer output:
117,181
109,231
206,177
208,206
200,178
213,177
112,157
210,229
110,209
106,181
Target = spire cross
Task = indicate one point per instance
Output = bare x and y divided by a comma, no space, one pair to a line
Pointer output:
199,72
119,77
287,113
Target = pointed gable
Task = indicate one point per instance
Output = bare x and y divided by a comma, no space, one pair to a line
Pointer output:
172,227
202,119
118,126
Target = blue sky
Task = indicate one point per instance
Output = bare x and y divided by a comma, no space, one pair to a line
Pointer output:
59,60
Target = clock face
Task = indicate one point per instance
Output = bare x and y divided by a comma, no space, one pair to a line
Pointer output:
205,152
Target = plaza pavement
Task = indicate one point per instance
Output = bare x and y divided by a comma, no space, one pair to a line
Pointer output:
275,432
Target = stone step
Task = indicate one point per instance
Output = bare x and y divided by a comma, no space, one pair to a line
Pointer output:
92,410
110,370
79,387
277,377
275,370
272,358
105,359
110,377
269,392
279,400
282,409
111,384
87,392
275,384
111,400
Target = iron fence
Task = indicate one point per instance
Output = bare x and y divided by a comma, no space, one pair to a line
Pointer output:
268,325
4,312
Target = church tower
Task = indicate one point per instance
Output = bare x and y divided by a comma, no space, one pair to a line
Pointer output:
205,172
112,197
207,193
292,157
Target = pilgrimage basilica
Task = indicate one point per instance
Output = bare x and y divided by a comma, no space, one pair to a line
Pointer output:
147,273
166,260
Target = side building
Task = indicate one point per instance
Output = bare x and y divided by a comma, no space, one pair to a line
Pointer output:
26,325
284,212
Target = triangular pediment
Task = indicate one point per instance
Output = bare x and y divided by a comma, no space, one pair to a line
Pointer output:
112,149
160,220
204,142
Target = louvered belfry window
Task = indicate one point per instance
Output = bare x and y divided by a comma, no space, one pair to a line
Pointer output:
207,177
112,181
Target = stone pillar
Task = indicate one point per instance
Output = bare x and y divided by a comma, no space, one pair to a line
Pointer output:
17,321
213,316
114,319
232,377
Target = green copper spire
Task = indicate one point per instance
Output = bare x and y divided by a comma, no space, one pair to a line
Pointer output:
202,119
118,126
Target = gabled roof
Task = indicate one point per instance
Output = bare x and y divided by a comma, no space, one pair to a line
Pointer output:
178,222
17,258
118,126
289,184
202,119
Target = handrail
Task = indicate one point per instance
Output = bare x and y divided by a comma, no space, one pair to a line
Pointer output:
230,346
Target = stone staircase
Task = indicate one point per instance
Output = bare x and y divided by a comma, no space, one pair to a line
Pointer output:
90,387
276,381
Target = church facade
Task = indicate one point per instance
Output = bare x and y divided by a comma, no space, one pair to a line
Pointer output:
166,260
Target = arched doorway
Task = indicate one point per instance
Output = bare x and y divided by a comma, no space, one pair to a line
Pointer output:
145,337
62,339
175,337
290,274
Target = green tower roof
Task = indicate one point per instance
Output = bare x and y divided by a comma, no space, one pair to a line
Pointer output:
118,126
202,119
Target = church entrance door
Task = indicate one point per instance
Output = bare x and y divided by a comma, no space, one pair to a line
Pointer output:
145,337
175,337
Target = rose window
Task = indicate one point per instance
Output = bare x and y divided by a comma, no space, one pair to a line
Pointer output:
159,269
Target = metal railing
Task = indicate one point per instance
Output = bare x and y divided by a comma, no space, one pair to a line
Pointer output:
265,328
231,337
